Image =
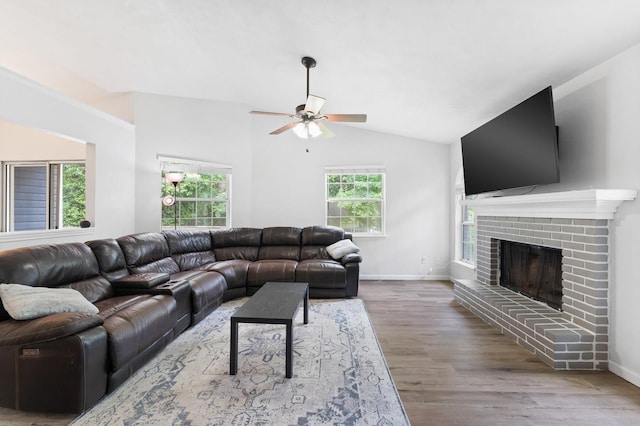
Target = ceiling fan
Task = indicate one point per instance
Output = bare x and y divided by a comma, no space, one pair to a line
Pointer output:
310,121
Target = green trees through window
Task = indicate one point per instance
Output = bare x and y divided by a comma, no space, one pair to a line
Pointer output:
73,194
202,200
355,202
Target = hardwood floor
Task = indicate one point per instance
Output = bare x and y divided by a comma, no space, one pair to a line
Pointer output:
451,368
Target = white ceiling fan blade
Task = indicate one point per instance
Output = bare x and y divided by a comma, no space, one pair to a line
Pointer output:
280,114
283,128
326,133
314,104
353,118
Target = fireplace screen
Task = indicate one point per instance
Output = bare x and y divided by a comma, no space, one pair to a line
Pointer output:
533,271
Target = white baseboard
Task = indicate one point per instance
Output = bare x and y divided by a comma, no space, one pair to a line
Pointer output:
404,277
625,373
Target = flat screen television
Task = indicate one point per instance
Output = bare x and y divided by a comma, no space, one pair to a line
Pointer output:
519,148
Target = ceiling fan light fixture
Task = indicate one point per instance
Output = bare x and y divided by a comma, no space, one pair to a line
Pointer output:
306,130
309,112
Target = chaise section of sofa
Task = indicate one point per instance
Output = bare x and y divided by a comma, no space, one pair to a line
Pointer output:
65,362
327,277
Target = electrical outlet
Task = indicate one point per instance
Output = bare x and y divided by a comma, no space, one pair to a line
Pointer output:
424,259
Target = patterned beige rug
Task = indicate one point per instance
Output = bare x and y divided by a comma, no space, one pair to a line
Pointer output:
340,376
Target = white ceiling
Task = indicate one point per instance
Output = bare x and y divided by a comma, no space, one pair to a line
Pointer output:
427,69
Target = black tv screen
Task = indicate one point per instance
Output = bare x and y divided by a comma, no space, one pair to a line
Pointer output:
519,148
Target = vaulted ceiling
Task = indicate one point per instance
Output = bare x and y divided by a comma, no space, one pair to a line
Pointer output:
427,69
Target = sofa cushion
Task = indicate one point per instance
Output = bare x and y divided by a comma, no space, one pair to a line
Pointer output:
321,273
206,288
93,289
24,302
281,236
279,252
234,271
111,261
190,249
321,235
49,265
46,328
135,328
262,271
54,265
315,240
280,242
116,304
147,252
236,243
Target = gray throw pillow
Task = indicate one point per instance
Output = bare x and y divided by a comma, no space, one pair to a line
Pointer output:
342,248
24,302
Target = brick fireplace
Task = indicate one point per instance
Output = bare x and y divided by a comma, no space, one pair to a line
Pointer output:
577,222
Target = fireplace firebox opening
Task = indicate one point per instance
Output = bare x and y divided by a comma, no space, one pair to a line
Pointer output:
534,271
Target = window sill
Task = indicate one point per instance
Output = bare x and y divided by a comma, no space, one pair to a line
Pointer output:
465,264
369,235
51,234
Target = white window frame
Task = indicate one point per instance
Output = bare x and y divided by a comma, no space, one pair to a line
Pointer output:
52,201
357,170
189,166
461,224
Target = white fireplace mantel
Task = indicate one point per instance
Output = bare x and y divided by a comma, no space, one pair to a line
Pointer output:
581,204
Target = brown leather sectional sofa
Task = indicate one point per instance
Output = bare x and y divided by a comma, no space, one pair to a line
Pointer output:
148,289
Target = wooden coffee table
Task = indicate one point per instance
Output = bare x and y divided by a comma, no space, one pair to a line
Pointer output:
274,303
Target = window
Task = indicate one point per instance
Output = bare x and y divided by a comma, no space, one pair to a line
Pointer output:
44,195
465,225
355,200
202,198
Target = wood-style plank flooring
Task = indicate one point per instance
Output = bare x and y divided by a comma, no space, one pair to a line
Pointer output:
451,368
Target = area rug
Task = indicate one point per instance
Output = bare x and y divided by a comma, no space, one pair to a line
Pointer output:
340,376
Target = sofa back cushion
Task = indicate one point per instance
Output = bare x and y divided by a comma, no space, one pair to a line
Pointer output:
315,240
147,252
110,258
236,243
280,242
190,249
71,265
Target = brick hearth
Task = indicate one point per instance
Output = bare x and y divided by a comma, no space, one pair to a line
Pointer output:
577,222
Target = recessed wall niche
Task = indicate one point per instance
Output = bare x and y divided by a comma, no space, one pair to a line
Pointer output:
23,149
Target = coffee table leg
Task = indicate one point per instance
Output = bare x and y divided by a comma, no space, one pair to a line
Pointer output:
233,353
289,353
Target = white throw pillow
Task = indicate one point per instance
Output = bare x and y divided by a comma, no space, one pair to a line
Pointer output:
24,302
342,248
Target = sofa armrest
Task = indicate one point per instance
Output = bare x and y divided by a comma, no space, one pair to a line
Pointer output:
139,282
50,327
351,258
